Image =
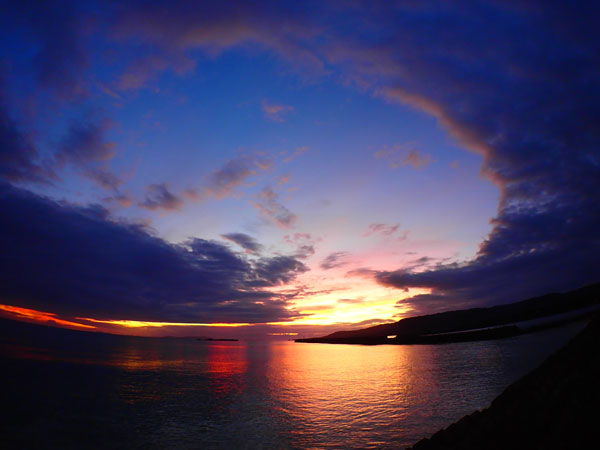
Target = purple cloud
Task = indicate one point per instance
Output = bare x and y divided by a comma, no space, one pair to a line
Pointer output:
267,203
276,112
78,262
18,154
333,260
248,243
400,155
381,229
159,197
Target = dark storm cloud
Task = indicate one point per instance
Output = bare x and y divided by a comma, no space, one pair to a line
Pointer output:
77,262
248,243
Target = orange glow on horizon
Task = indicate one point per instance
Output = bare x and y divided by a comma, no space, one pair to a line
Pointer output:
41,316
141,323
366,303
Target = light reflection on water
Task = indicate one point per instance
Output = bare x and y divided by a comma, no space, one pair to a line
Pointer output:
105,391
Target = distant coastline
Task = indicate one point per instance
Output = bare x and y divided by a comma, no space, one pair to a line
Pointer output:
497,322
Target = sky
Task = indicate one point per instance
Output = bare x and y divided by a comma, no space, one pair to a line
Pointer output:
293,168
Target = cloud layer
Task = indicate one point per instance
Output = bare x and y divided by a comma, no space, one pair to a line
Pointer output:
515,82
77,262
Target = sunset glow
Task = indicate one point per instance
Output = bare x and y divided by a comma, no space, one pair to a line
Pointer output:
40,316
224,165
284,224
141,324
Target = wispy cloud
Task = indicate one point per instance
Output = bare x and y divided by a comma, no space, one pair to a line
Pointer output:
297,152
304,242
362,272
19,157
333,260
86,147
403,155
381,229
224,181
159,197
276,112
245,241
267,203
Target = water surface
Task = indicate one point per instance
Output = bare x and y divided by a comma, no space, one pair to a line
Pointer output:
66,389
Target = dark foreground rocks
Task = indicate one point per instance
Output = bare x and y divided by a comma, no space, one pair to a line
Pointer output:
557,406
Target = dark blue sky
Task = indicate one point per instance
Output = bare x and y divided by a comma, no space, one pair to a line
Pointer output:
296,164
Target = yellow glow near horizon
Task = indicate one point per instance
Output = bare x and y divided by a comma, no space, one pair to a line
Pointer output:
143,323
363,303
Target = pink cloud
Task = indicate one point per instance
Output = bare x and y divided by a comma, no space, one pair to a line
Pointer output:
276,112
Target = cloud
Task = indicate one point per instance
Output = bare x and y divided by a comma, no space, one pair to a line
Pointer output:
103,178
516,83
277,270
85,142
124,200
77,262
351,301
333,260
531,112
59,32
530,254
362,272
267,203
400,155
85,146
275,112
243,240
159,197
304,242
18,154
223,182
297,152
144,70
213,27
381,229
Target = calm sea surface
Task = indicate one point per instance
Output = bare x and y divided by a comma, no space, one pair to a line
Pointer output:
63,389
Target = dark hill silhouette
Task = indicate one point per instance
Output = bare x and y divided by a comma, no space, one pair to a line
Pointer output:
553,407
420,329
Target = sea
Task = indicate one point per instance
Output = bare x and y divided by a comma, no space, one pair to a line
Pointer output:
74,390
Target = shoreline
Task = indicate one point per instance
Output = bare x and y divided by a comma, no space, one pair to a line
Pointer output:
485,334
548,408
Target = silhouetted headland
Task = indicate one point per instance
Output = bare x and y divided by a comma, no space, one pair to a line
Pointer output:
553,407
476,324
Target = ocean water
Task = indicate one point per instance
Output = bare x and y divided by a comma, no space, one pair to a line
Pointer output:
64,389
